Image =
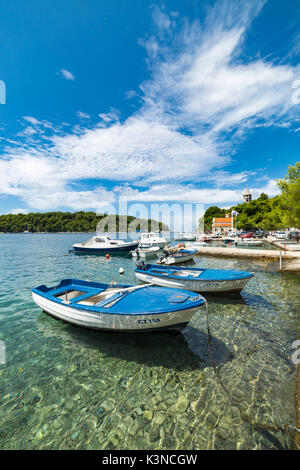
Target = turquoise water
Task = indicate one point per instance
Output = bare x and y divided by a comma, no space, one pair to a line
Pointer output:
67,388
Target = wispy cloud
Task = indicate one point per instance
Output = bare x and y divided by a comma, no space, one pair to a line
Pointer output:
202,96
82,115
66,74
131,94
31,119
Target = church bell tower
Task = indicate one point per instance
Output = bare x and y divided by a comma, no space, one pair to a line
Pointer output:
247,196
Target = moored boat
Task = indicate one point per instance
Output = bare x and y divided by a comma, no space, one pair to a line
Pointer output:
181,255
104,245
194,279
185,237
153,239
146,252
119,307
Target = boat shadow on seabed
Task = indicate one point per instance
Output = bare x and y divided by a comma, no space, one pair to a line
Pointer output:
186,350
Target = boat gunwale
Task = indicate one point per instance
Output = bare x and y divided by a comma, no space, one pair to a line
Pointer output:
178,268
182,253
196,303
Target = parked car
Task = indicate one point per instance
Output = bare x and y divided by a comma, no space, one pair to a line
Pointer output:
260,233
247,235
241,232
295,236
280,235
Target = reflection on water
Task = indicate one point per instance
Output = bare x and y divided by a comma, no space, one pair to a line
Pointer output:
63,387
190,349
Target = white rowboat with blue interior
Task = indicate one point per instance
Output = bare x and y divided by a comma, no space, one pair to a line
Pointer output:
118,307
194,279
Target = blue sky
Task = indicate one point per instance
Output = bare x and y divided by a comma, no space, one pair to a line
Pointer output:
175,101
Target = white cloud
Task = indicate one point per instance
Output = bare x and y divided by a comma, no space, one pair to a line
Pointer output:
31,119
201,98
66,74
110,117
130,94
82,115
18,211
206,85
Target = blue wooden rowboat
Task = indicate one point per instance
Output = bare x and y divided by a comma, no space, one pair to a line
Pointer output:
193,279
118,308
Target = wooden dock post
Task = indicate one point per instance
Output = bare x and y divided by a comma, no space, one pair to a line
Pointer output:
280,260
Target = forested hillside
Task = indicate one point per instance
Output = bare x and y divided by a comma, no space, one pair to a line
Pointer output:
71,222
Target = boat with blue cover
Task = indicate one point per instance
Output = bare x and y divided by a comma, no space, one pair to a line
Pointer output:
118,307
193,279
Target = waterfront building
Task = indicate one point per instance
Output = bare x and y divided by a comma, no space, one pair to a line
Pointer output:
222,224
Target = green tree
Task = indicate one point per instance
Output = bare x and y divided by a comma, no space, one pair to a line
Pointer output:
62,222
290,196
210,214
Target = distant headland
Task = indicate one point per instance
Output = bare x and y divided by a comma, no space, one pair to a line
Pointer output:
81,221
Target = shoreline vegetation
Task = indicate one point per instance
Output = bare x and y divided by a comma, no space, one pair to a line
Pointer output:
75,222
265,213
261,213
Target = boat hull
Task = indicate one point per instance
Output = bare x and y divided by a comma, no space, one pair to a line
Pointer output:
103,251
209,286
148,254
178,258
159,244
115,322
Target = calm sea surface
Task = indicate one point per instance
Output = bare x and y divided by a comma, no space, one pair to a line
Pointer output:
62,387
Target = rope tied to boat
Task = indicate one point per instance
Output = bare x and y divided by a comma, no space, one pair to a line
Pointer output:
207,321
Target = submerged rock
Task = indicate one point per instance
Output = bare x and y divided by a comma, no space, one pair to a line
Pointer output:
182,404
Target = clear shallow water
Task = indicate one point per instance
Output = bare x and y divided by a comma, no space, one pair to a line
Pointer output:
67,388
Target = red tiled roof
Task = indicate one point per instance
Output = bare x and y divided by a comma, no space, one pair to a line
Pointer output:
222,221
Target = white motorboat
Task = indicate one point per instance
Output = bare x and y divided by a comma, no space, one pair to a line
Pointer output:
119,308
104,245
146,251
185,237
153,239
